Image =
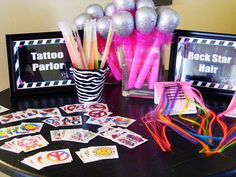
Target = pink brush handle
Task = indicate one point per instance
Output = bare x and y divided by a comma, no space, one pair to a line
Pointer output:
154,72
115,71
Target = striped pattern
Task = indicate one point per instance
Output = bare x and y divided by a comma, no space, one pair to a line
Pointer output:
89,84
213,85
45,84
206,41
24,85
171,91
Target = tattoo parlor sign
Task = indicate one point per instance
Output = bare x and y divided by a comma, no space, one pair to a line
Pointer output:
38,62
51,63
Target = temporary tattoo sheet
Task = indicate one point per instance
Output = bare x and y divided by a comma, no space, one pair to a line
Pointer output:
96,153
48,158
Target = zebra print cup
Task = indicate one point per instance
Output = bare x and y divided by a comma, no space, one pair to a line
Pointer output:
90,84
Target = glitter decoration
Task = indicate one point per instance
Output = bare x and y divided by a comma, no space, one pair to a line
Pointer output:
145,19
110,9
144,3
123,23
128,5
167,19
95,10
81,20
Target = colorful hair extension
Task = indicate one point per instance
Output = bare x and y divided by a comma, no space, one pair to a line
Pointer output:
160,119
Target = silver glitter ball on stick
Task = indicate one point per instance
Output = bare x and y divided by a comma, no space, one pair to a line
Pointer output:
81,20
103,25
145,19
110,9
144,3
124,4
167,19
95,10
123,23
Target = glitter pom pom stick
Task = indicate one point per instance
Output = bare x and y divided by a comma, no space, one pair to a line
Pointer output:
167,21
145,19
123,25
103,27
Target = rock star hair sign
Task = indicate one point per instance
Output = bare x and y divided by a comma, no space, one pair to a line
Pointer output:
207,60
38,63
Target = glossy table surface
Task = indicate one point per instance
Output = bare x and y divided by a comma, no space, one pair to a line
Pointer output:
146,160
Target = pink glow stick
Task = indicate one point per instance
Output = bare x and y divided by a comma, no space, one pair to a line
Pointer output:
154,72
142,43
114,64
146,67
116,71
148,78
161,39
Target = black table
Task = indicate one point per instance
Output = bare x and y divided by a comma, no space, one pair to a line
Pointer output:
146,160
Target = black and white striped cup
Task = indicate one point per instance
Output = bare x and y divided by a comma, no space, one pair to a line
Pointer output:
90,84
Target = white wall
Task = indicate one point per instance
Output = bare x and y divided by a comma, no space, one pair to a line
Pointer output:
25,16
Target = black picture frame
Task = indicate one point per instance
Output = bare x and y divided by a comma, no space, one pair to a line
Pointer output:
38,64
162,2
206,59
